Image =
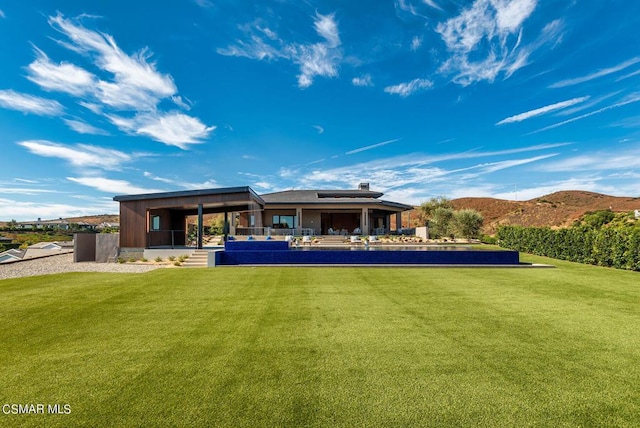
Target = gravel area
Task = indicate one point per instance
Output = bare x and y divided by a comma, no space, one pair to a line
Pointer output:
64,263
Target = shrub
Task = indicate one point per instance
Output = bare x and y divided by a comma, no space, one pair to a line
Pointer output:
488,239
158,259
172,258
611,247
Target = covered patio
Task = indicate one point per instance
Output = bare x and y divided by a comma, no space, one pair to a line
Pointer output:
159,220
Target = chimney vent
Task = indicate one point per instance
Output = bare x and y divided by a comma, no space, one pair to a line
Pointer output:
363,186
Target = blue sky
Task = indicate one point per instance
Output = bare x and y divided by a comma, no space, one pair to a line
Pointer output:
509,99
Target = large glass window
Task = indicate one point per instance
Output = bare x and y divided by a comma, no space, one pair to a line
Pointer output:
284,221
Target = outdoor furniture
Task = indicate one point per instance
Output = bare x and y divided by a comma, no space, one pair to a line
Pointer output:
306,240
355,240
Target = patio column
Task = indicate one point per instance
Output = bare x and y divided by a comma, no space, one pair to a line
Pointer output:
398,221
200,227
299,221
225,226
364,221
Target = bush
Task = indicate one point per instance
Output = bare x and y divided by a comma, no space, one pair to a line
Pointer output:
608,246
158,259
488,239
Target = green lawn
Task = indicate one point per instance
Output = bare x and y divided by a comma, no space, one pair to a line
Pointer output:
325,347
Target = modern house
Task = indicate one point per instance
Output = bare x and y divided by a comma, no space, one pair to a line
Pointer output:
330,212
160,219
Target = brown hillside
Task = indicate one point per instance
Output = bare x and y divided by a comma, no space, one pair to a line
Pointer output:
558,209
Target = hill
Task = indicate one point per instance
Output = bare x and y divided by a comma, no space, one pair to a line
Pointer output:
559,209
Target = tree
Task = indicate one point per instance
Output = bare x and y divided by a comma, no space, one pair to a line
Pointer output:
216,225
468,223
598,219
441,222
427,209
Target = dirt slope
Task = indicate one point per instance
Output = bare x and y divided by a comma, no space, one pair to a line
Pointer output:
558,209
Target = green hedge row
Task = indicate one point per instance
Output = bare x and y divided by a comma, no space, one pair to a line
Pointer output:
611,247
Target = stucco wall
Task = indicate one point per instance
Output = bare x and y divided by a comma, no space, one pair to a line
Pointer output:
311,220
106,246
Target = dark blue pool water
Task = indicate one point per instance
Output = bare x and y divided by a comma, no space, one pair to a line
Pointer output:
279,253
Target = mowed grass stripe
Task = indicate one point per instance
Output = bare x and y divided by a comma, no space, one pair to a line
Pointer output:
325,347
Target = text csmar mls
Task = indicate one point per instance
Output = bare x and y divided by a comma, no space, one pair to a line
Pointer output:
36,409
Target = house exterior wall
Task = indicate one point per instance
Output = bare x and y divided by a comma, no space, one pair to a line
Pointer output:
133,224
311,219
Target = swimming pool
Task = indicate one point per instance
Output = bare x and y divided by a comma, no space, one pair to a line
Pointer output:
279,253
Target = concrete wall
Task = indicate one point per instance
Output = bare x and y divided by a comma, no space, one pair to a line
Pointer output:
422,232
127,253
95,247
84,247
106,246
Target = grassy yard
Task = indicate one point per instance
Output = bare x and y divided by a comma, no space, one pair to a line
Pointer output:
325,347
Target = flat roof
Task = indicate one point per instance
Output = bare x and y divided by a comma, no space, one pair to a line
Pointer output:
189,193
330,197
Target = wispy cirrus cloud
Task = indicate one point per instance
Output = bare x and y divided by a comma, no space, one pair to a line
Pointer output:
64,77
24,190
314,59
83,127
125,84
408,88
208,184
372,146
318,128
416,8
111,186
586,105
395,174
2,15
79,155
597,74
136,83
25,103
485,40
542,110
630,99
173,128
621,160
